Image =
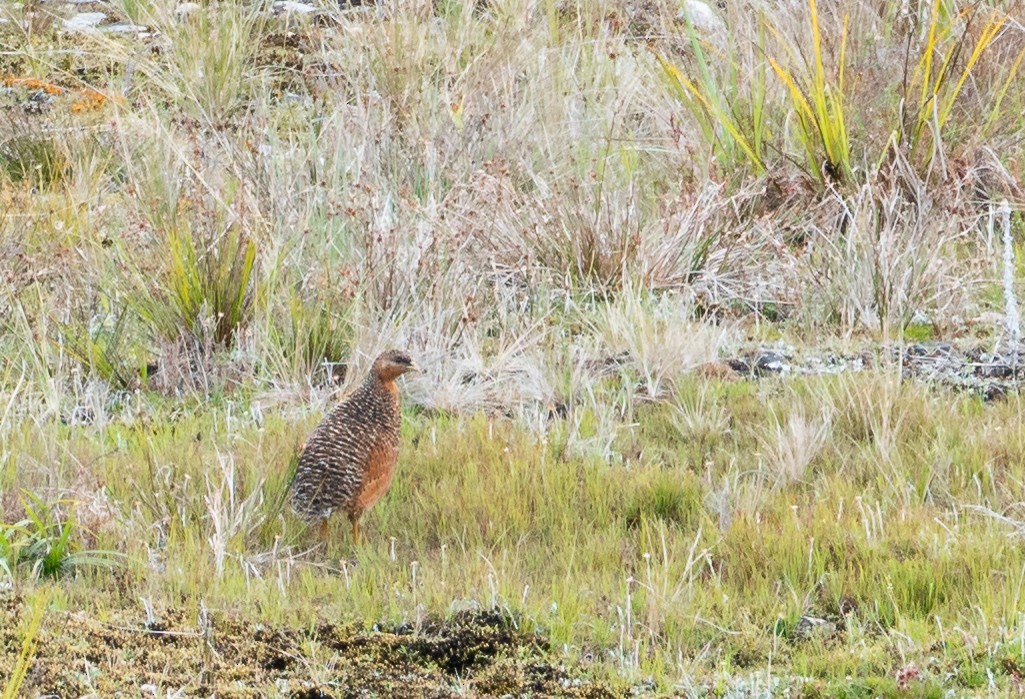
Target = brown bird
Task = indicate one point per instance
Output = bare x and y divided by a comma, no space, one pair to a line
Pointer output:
348,462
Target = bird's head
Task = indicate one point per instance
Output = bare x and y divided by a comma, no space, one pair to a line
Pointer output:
392,364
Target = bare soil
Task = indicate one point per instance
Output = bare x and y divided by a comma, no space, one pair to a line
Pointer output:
221,654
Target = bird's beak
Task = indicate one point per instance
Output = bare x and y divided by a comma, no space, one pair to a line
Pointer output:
413,366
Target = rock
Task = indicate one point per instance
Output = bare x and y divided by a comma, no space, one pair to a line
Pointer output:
84,22
739,365
290,7
771,362
813,627
38,102
124,28
994,371
972,369
761,362
186,8
701,16
993,391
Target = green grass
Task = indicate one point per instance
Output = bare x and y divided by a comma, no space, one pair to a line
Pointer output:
568,214
46,543
16,679
676,559
945,64
205,293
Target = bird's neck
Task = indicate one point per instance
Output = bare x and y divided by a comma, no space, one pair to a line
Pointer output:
376,382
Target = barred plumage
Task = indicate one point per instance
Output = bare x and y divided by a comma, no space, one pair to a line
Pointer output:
348,461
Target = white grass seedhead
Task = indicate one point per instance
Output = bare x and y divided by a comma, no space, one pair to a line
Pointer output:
894,257
701,418
232,513
659,336
792,445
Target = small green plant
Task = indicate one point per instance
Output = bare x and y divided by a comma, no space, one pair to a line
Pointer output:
818,104
672,497
102,347
314,331
44,542
205,292
30,151
732,123
932,85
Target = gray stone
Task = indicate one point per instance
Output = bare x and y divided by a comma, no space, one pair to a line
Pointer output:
771,362
290,7
123,28
84,22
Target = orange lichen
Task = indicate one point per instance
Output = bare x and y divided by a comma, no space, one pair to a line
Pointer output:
85,99
32,84
88,100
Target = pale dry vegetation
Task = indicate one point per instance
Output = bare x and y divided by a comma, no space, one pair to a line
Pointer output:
569,213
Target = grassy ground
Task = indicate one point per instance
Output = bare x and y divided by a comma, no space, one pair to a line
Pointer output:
567,213
841,530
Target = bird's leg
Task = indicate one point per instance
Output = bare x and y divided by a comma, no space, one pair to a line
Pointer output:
355,532
322,529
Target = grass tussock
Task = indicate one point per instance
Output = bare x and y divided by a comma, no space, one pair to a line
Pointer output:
571,216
